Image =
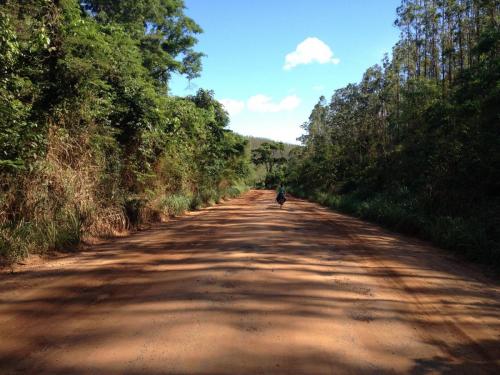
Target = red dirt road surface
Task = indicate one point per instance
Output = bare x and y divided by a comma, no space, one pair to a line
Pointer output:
247,288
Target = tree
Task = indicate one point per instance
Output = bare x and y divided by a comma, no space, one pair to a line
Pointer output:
269,154
420,132
90,140
166,35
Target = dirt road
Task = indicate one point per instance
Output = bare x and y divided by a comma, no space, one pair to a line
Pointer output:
246,288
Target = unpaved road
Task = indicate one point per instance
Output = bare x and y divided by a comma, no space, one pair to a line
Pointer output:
246,288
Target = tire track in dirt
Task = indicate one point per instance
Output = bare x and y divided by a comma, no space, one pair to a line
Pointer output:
244,287
426,311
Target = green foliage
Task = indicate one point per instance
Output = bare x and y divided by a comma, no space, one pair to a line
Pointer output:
269,154
17,242
468,236
90,142
18,138
13,243
234,191
256,142
166,36
196,202
415,144
272,156
175,204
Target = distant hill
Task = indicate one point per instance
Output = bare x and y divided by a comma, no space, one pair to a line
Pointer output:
259,173
255,142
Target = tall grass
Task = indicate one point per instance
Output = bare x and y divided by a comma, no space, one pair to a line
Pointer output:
17,241
235,190
65,197
209,196
175,204
76,192
467,236
70,195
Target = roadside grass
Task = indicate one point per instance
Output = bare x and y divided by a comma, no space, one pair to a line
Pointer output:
24,238
207,197
473,237
175,204
235,190
63,226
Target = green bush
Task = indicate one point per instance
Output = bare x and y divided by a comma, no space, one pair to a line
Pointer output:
175,204
91,147
58,234
13,243
465,236
17,242
196,202
234,191
208,195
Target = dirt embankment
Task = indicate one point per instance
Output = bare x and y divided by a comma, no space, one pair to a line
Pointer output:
246,288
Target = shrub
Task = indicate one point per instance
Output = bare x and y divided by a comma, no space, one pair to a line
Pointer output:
13,243
175,204
234,191
91,146
466,236
208,195
196,202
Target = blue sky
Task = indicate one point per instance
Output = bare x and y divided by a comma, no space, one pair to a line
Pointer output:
270,61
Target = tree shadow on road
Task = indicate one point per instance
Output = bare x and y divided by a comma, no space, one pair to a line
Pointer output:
224,287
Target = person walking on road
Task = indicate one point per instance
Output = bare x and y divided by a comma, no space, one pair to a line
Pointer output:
281,197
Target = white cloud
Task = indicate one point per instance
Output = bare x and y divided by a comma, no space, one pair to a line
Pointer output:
282,126
232,106
263,103
309,51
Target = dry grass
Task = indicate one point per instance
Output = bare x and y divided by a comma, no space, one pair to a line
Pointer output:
60,200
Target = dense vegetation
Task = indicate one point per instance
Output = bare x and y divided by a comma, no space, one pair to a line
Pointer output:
256,142
269,161
90,141
416,143
270,156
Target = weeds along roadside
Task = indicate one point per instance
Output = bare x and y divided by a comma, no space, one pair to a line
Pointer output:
77,192
468,237
91,142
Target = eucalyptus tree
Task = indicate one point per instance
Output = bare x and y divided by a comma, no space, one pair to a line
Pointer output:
421,129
